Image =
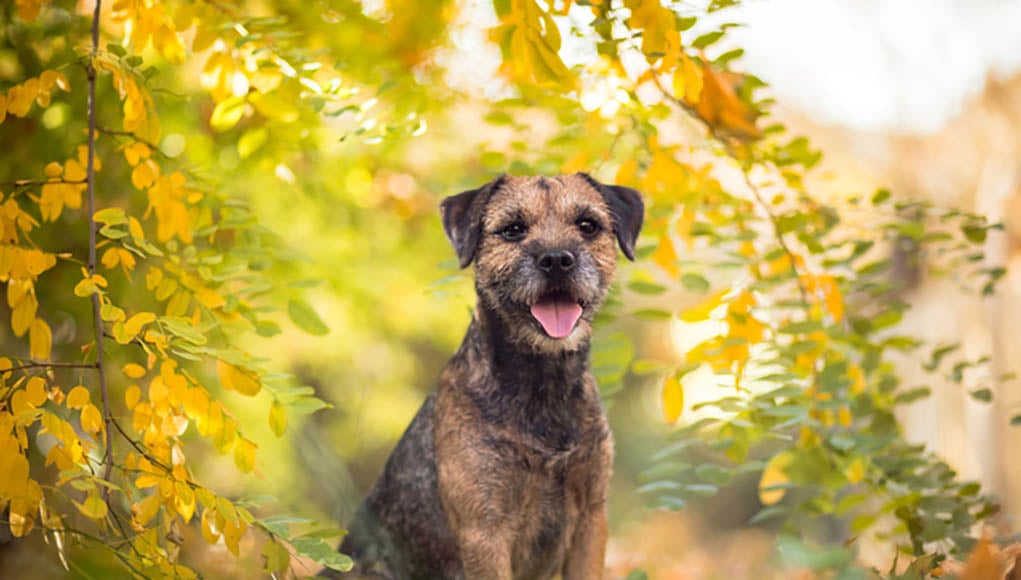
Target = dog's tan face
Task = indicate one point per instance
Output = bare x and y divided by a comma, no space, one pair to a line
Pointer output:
544,252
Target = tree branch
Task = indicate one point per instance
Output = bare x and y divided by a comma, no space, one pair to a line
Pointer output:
56,365
775,222
31,182
116,133
97,319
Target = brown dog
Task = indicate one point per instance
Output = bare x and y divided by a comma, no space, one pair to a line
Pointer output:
503,473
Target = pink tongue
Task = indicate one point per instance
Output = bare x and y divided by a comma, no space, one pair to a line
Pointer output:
557,316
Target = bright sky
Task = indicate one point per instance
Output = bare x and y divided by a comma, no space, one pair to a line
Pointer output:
882,65
901,65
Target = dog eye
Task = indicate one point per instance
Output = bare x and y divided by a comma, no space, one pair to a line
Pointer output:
588,226
514,232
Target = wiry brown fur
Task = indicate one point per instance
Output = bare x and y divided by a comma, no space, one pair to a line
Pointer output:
503,473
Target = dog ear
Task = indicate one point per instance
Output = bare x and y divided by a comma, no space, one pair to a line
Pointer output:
628,211
462,219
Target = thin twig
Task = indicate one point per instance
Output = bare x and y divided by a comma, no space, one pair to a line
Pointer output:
46,365
138,447
97,319
775,222
31,182
118,133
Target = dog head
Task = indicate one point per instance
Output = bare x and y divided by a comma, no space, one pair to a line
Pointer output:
544,251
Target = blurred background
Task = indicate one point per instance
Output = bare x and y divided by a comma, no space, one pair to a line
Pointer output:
920,96
923,97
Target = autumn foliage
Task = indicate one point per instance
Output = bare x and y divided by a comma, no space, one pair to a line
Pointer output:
131,351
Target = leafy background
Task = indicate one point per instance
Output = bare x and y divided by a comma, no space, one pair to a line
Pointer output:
277,295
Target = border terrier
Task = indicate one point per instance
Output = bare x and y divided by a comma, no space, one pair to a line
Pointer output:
503,473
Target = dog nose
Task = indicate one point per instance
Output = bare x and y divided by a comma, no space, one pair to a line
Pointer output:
556,261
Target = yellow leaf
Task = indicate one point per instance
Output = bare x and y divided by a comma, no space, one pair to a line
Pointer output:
144,174
143,511
158,391
208,524
134,324
808,439
110,258
242,381
774,474
855,471
665,256
857,376
233,529
53,169
673,399
209,298
35,391
133,371
278,559
18,291
178,305
136,152
40,340
679,82
626,174
92,421
19,403
23,315
73,171
244,454
277,418
702,311
844,416
148,480
23,508
185,500
93,508
692,81
576,163
135,228
832,297
77,398
222,432
132,396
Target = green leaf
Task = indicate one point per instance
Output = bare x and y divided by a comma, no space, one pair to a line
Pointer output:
880,196
111,216
694,282
713,474
182,328
652,314
646,288
707,39
305,318
912,395
975,233
1015,421
325,533
983,394
815,557
320,552
803,327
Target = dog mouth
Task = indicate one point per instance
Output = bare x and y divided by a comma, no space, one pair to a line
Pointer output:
558,313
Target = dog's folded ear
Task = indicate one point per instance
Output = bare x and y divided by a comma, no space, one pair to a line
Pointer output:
628,211
462,219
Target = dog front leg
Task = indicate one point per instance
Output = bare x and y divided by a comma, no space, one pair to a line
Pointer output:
485,553
585,558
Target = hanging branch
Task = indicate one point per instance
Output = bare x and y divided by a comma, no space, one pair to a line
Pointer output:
50,365
97,319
